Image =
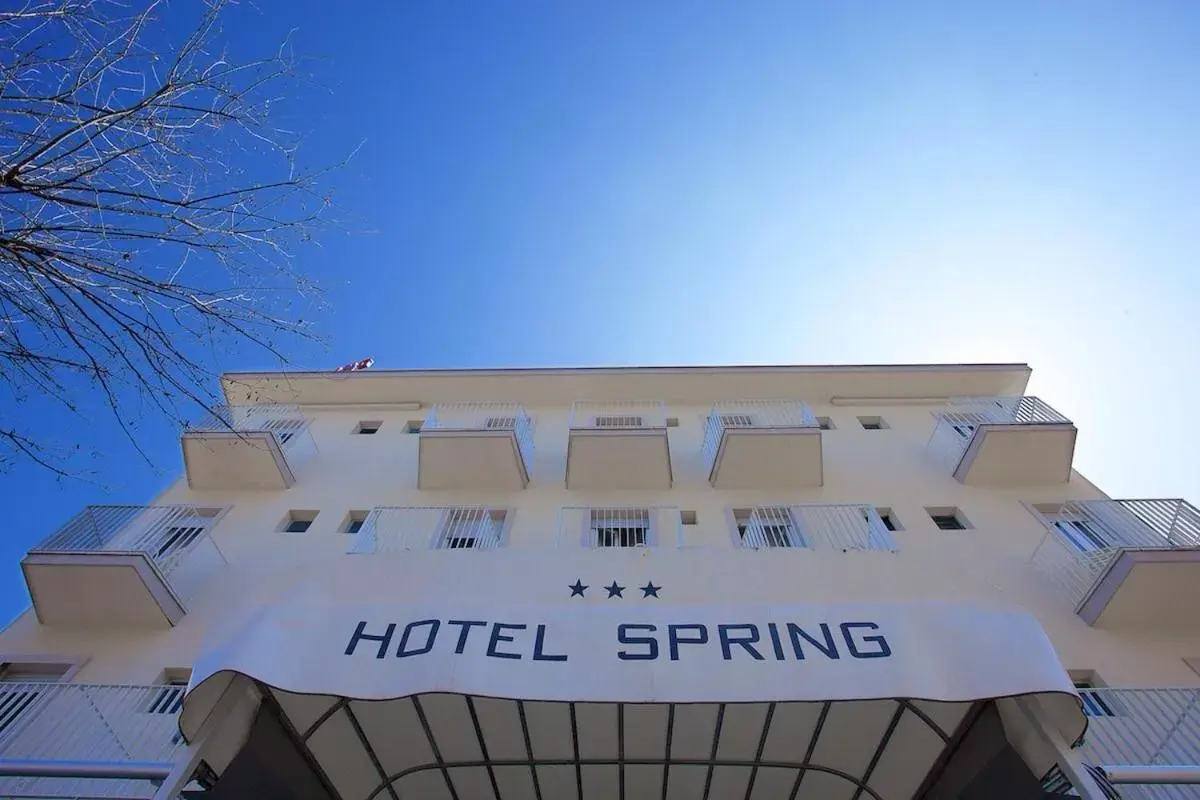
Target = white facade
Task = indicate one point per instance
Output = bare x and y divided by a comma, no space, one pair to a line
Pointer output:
735,489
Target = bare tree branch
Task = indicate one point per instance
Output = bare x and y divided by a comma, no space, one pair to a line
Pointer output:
132,244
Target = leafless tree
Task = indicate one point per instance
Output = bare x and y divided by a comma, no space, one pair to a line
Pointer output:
138,234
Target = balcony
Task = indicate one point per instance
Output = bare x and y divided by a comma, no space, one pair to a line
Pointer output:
477,446
813,527
397,529
618,445
1141,736
123,566
81,740
1125,562
246,447
762,444
1004,441
619,527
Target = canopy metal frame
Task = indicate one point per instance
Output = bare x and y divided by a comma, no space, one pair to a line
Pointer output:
389,785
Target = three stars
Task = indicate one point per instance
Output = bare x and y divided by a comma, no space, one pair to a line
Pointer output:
614,589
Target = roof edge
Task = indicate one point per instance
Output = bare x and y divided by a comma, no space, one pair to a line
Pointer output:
698,369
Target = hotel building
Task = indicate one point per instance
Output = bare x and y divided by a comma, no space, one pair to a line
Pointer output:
817,582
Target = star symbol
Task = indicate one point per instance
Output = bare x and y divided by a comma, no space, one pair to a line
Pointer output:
650,590
577,588
614,590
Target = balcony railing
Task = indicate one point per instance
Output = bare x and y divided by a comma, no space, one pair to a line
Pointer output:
484,417
288,423
957,423
619,527
618,415
1086,535
755,415
169,536
400,529
1129,728
126,729
814,527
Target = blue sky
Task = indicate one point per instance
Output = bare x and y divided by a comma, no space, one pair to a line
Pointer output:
547,183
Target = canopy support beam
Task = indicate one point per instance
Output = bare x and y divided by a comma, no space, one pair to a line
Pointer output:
1160,774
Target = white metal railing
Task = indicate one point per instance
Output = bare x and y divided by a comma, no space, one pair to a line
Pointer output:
484,417
1143,727
288,423
814,527
618,415
956,424
170,536
396,529
753,414
1084,536
619,526
77,722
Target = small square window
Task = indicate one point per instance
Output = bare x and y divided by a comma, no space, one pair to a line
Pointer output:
368,428
948,519
169,698
672,422
825,423
297,521
890,521
873,423
1091,691
353,522
413,426
687,517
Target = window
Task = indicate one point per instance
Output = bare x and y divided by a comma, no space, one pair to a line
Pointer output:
672,422
872,423
285,429
737,421
177,538
354,521
768,526
619,527
889,519
948,519
500,423
34,671
687,517
412,426
618,421
169,698
825,423
1094,704
470,528
368,428
16,695
297,521
1081,533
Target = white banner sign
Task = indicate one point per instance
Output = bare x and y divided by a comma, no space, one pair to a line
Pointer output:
670,654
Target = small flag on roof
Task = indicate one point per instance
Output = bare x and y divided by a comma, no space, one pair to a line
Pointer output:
356,366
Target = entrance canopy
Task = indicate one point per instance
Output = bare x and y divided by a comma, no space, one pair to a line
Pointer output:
839,701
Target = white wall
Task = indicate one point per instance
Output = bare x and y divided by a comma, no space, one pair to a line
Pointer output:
988,564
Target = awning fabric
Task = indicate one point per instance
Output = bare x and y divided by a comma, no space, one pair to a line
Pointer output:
434,701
